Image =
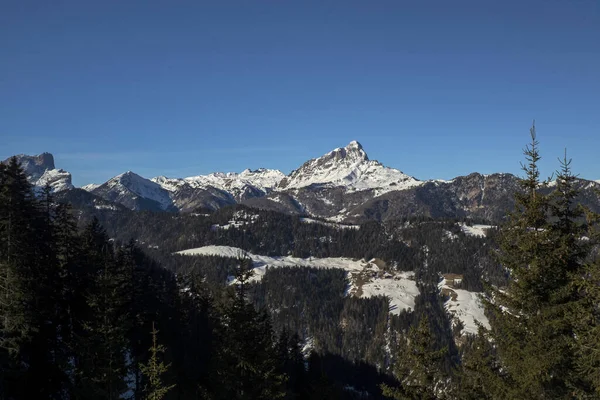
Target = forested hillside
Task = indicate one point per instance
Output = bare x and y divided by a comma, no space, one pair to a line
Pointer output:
95,304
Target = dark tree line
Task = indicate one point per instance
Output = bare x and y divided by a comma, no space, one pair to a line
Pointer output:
406,244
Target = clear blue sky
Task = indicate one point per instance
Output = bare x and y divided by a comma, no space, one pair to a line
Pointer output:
434,88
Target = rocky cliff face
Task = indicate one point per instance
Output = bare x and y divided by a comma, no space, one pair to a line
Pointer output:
41,171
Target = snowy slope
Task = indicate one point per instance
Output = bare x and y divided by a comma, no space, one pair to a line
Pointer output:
466,306
329,224
58,179
260,182
475,230
349,167
90,187
132,185
366,278
40,171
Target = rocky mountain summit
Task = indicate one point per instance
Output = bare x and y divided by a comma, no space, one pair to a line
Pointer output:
41,171
348,167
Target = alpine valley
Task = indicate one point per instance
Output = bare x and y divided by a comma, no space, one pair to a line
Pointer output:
339,280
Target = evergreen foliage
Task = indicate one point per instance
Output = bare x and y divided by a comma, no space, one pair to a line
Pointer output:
534,320
248,356
419,366
154,369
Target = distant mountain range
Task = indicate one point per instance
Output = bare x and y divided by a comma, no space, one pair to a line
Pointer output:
343,185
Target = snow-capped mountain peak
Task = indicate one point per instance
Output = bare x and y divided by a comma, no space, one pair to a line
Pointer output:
130,185
41,171
248,183
348,167
353,152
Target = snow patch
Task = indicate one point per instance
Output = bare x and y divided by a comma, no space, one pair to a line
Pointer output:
400,288
58,179
465,306
366,278
90,187
330,224
475,230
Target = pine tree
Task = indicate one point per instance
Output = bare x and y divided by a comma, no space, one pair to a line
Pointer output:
418,367
480,371
292,364
28,278
67,246
248,359
17,325
585,317
102,342
17,207
154,370
532,330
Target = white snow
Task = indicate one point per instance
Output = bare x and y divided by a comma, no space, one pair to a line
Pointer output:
133,183
262,180
400,288
449,235
58,179
90,187
238,219
330,224
351,168
366,279
467,307
338,218
475,230
105,207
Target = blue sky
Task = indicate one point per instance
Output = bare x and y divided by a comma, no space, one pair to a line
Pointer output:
434,88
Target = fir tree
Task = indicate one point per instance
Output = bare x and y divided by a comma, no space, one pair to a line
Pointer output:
292,364
154,370
480,371
248,359
586,317
531,326
419,366
102,342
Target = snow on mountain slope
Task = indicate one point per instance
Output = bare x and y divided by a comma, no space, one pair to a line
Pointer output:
90,187
58,179
329,224
247,183
465,306
40,171
130,183
401,288
476,229
349,167
366,278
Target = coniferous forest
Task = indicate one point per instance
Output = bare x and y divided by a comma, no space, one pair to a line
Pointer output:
94,304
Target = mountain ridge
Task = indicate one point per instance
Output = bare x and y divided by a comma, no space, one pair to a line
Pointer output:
343,185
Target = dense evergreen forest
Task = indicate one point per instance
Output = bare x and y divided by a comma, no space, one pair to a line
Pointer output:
95,305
